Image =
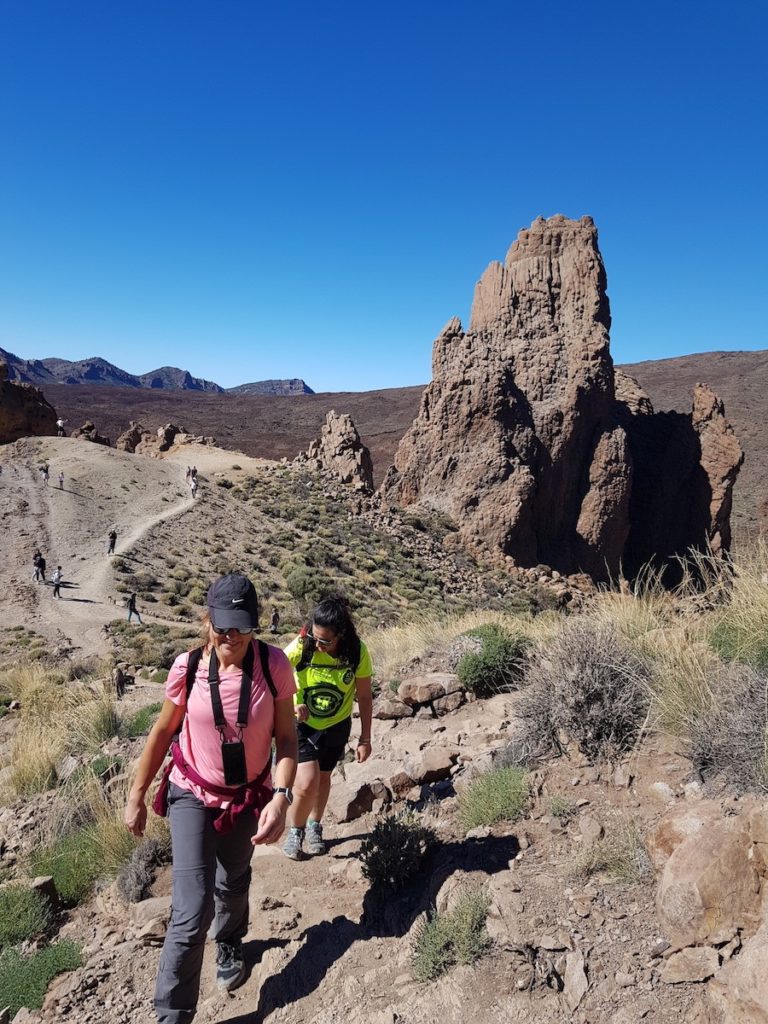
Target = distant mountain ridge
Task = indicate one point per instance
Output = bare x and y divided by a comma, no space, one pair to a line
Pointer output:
98,371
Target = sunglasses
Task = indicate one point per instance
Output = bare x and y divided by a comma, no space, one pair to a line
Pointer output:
223,630
322,643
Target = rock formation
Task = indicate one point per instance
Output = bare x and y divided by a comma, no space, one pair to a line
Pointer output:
340,451
23,410
141,441
537,448
88,432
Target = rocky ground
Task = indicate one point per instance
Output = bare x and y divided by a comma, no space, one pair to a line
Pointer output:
585,888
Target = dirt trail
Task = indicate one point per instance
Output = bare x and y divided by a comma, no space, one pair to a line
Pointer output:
102,489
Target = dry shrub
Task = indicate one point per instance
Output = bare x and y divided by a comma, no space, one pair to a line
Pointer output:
57,718
587,685
620,854
730,737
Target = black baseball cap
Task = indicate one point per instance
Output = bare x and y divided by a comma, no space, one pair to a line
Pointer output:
232,603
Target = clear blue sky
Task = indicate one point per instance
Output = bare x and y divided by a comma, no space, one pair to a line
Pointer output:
252,190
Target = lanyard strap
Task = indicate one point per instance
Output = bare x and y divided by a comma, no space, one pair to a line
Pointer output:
245,692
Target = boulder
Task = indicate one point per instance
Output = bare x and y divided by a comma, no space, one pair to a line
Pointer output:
709,886
678,824
385,708
88,432
431,765
696,963
740,990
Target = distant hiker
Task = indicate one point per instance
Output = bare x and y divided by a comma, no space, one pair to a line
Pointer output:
61,481
188,474
39,563
274,620
56,579
333,669
44,474
193,486
221,801
60,428
193,472
112,537
133,610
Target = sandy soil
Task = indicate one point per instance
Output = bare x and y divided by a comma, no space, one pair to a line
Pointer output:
103,489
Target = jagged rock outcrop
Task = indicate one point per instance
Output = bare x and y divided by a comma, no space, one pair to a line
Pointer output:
131,438
142,441
340,451
88,432
24,412
540,450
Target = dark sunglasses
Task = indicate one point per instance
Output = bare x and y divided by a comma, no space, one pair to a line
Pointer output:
223,630
322,643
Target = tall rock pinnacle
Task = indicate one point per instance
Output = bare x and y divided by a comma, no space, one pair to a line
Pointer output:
520,436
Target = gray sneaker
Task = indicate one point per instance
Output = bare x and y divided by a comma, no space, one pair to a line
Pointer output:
293,843
230,965
316,846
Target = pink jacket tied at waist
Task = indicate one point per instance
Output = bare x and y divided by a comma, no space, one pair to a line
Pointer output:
252,797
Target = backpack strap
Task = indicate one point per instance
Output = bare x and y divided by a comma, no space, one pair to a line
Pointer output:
194,660
264,659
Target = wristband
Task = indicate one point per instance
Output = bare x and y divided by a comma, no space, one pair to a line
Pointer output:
362,742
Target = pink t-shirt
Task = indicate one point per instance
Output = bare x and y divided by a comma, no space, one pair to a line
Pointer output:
199,738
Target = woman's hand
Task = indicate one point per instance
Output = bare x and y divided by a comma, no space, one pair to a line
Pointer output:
302,712
135,816
363,750
271,821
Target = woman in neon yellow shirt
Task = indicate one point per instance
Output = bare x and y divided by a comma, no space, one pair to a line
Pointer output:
333,669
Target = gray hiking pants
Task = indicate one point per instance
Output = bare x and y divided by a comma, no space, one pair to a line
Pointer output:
211,876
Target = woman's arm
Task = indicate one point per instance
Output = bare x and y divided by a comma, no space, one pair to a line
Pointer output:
272,818
159,739
364,697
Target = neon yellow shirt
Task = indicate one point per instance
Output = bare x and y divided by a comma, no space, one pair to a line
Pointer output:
327,686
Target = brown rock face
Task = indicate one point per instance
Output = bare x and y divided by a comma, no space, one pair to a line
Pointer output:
532,442
24,411
340,451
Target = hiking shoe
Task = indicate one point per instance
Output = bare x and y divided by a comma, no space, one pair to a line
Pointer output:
230,965
315,843
292,845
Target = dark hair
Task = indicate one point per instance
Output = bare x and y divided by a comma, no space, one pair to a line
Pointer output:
332,612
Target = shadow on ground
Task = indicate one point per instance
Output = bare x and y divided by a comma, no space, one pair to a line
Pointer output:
382,917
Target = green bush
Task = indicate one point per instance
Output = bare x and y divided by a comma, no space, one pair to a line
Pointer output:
394,852
142,721
497,665
735,639
25,979
74,861
457,937
24,914
498,795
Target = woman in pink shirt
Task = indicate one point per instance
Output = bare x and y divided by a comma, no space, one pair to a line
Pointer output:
226,701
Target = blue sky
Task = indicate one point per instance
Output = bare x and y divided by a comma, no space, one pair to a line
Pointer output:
251,190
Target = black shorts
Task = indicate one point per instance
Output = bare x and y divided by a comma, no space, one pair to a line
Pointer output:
326,746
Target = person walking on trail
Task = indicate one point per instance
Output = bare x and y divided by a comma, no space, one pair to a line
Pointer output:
133,610
188,474
56,579
38,576
193,486
61,481
333,669
44,474
60,427
226,700
112,537
274,620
